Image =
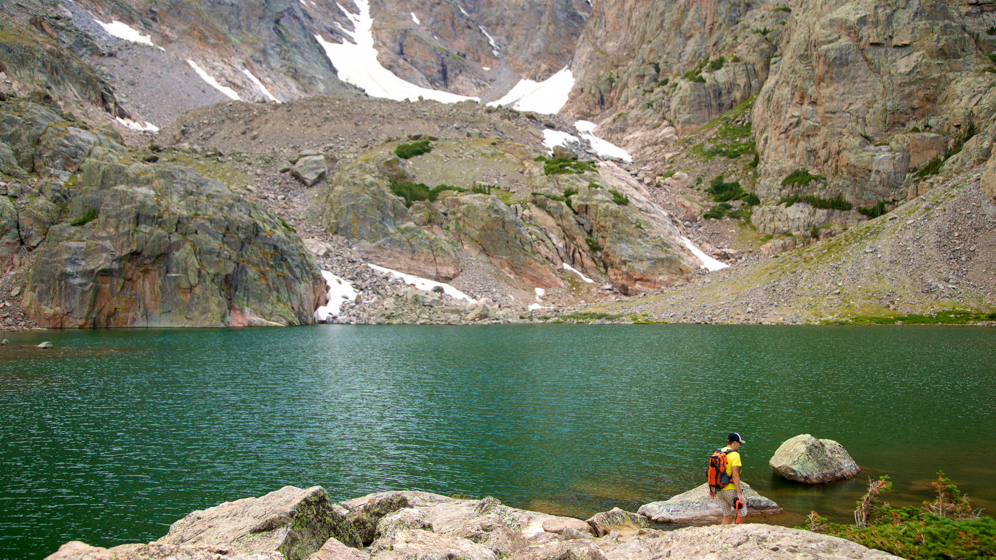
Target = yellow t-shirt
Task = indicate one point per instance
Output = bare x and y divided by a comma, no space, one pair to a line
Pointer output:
732,460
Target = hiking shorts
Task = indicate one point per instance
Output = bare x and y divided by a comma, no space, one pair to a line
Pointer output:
725,499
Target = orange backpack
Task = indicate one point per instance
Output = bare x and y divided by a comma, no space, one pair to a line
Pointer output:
717,470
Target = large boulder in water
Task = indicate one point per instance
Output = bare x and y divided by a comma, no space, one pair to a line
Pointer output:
696,507
813,461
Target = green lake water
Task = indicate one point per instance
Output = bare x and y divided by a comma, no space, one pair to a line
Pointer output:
113,435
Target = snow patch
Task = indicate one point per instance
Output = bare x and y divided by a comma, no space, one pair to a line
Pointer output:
578,272
553,138
415,19
708,262
259,84
340,291
423,284
601,147
548,96
228,92
357,64
491,40
147,127
126,32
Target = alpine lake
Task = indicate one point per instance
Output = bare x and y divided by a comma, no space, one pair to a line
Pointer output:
111,436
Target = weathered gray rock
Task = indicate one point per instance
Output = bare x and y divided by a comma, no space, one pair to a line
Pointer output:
742,542
284,524
335,550
877,67
309,170
366,513
155,551
292,522
168,247
695,506
989,178
560,524
406,519
617,520
813,461
359,206
561,550
800,217
428,546
45,345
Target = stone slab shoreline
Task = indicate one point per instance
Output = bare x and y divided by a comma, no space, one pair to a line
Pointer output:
304,524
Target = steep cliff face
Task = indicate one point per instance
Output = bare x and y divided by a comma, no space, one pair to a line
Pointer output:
651,72
867,90
117,242
477,48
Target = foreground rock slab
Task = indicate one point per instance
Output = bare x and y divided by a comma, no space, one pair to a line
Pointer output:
292,522
741,542
696,507
813,461
295,524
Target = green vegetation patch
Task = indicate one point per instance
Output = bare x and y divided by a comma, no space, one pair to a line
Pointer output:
590,316
875,211
565,166
836,203
406,151
800,178
940,318
86,218
413,192
619,198
947,527
933,167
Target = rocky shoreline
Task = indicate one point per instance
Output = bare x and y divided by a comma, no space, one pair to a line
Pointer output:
293,523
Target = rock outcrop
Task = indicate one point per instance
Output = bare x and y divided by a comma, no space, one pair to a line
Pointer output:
813,461
289,523
856,79
292,522
526,228
617,520
121,243
696,507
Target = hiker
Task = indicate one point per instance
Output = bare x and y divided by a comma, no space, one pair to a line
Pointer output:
729,494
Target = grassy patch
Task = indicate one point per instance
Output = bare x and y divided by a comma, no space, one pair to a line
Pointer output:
413,192
619,198
590,316
800,178
875,211
287,226
836,203
954,317
86,218
406,151
565,166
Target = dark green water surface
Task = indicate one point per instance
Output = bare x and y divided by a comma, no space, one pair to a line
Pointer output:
112,436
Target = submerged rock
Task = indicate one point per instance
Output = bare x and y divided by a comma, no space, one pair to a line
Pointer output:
813,461
695,506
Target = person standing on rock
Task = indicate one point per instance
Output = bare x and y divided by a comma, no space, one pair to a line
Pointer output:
731,492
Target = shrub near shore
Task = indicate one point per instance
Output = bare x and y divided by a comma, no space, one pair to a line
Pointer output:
945,528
